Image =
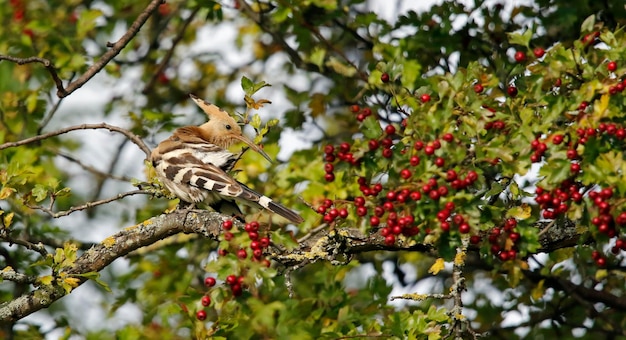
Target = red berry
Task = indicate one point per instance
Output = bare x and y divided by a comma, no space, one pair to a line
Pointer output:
451,175
575,168
374,221
384,77
475,239
201,315
520,56
390,240
478,88
164,9
390,129
418,145
387,153
209,281
512,91
328,167
205,301
355,108
538,52
372,144
464,228
440,162
231,280
425,98
329,177
361,211
415,195
236,289
557,139
343,212
329,149
611,66
448,137
414,161
405,173
241,253
227,225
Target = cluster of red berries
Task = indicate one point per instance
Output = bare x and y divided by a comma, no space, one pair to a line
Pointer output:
447,217
361,114
503,240
331,213
520,56
604,221
343,154
236,281
257,243
555,202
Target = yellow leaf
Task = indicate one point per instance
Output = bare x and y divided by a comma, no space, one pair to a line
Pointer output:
317,104
538,291
437,266
45,280
7,269
6,192
521,212
601,274
72,281
8,219
601,106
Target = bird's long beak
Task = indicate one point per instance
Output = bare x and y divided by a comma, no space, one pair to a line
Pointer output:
254,147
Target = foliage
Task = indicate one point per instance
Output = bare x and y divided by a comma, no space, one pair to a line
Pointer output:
493,144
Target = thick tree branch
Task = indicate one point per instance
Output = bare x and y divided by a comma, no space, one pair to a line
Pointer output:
133,137
116,48
206,224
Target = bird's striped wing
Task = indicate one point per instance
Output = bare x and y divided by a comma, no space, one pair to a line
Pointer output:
212,178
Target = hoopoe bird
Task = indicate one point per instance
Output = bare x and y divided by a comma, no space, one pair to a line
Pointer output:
194,161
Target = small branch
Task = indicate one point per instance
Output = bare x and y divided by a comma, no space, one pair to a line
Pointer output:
11,275
28,245
45,62
133,137
92,169
88,204
116,48
168,56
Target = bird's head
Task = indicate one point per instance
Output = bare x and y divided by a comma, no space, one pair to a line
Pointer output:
222,129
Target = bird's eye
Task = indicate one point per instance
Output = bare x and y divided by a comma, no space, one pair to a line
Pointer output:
228,127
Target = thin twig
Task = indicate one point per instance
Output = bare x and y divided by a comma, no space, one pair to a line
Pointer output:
168,56
133,137
88,204
45,62
92,169
116,48
12,275
29,245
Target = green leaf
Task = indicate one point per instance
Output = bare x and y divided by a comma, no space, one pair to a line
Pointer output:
40,192
246,84
371,128
588,24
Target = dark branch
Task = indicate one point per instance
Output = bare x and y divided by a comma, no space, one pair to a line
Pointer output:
133,137
116,48
45,62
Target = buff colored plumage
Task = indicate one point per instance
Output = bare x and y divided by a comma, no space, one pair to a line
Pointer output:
194,161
